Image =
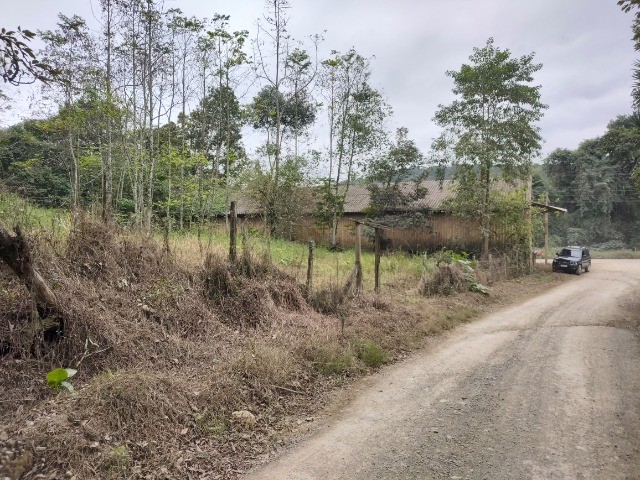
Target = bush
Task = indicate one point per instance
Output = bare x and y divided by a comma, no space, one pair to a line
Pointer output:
330,359
372,354
610,245
445,280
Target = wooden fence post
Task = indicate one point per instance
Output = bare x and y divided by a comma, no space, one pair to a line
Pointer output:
377,264
546,228
505,260
358,254
233,252
312,246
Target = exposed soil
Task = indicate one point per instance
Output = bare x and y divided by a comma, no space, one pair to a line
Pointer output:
546,389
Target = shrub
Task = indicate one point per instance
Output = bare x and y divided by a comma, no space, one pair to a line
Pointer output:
445,280
372,354
331,359
610,245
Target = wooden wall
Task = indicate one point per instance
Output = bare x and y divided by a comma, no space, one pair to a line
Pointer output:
446,231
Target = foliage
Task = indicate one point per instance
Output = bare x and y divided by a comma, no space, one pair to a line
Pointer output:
388,175
627,6
596,183
19,64
32,163
491,124
372,354
356,112
283,203
214,128
59,378
295,112
610,245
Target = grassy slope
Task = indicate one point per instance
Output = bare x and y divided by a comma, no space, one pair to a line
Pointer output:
157,388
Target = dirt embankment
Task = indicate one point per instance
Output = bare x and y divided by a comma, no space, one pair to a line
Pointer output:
188,373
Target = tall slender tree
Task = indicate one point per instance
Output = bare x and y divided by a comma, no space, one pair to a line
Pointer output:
491,125
356,113
71,49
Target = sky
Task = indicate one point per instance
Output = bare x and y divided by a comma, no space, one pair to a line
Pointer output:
584,45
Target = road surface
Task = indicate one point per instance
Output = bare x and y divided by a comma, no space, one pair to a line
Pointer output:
547,389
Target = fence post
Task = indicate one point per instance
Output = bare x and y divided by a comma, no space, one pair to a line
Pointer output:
358,254
233,252
312,246
546,228
505,260
377,264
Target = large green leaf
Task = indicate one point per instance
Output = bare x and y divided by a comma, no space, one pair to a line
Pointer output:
57,377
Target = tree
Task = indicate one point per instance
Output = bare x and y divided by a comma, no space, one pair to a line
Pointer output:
33,162
70,48
595,182
388,177
627,6
283,109
491,124
273,28
18,64
356,113
108,11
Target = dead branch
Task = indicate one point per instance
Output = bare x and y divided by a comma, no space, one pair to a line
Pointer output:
15,252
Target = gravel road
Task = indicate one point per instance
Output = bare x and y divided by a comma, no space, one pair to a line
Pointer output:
547,389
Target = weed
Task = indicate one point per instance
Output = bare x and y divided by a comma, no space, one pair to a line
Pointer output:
265,365
211,424
120,460
339,380
58,378
332,360
372,354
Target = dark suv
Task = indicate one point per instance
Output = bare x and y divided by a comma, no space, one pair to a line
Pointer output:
572,259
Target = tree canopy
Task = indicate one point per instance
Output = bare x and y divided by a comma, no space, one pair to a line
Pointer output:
490,131
18,62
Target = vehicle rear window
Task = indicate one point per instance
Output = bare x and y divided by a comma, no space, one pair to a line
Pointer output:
570,253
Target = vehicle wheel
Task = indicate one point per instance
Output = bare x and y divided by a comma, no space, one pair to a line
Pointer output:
579,270
587,267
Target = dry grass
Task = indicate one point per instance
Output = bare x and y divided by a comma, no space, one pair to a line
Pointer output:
444,280
166,351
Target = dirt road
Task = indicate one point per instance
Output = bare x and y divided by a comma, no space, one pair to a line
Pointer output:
549,389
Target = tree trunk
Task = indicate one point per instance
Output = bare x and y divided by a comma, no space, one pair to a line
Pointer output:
107,180
15,252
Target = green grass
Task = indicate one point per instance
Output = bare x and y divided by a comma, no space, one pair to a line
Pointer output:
55,222
606,254
330,268
372,354
335,267
17,211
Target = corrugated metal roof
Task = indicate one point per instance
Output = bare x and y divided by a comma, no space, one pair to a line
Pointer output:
357,198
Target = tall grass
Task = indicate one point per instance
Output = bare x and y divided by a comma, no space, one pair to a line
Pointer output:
190,249
330,267
17,211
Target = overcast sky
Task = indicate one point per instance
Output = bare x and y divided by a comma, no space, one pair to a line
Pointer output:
584,45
